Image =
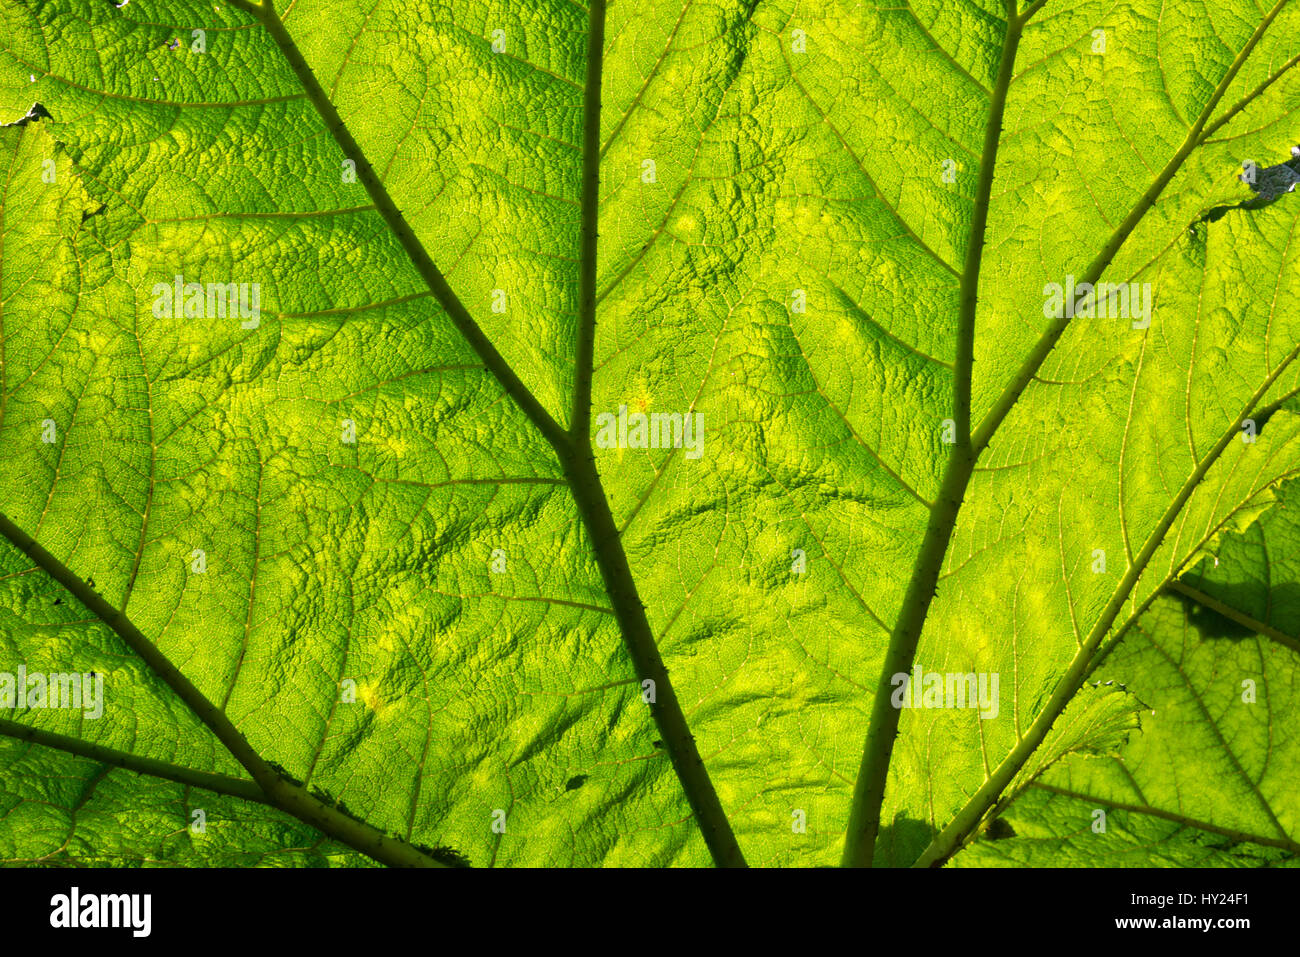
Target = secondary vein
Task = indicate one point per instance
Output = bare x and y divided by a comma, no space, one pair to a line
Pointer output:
242,788
419,256
289,797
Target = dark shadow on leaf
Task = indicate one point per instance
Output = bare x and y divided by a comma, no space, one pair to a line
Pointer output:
37,112
900,843
1207,621
1240,597
999,829
1269,185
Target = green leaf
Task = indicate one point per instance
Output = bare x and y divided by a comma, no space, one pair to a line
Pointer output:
1252,582
90,807
1207,781
364,548
57,810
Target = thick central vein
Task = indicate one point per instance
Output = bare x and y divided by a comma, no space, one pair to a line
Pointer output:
572,447
869,788
968,817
